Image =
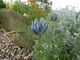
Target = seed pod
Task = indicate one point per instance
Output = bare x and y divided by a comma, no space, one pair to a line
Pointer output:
53,16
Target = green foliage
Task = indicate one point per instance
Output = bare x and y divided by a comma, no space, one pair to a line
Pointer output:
31,12
62,39
20,8
2,5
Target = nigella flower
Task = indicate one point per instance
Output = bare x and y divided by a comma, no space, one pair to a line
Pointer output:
39,27
53,16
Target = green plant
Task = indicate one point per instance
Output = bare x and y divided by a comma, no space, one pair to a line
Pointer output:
2,5
31,11
62,39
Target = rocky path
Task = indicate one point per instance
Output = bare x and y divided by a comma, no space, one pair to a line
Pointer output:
9,51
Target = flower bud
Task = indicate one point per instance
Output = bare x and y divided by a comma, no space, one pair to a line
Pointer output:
53,16
39,27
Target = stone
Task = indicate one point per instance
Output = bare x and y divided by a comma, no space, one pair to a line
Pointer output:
1,57
12,21
25,41
10,51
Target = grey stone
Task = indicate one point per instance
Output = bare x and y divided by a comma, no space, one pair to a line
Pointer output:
12,21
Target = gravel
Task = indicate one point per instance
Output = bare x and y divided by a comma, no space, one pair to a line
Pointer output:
9,51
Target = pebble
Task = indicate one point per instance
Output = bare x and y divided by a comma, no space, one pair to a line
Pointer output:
9,51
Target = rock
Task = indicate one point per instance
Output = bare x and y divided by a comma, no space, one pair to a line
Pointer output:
5,59
25,41
10,51
3,50
1,57
14,44
12,21
1,34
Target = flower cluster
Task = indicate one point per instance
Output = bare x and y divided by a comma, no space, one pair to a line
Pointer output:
39,27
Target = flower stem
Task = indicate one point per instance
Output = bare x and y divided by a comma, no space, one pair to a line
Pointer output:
40,43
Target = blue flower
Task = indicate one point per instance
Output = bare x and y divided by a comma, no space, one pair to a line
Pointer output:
39,27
